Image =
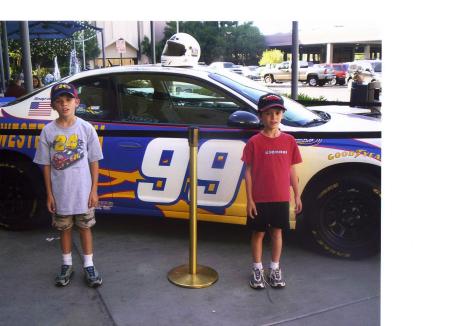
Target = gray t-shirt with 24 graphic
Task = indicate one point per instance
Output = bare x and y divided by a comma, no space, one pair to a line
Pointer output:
69,151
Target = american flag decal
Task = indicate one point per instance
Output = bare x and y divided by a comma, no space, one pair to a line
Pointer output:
40,108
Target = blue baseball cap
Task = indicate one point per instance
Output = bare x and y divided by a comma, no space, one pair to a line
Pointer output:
63,88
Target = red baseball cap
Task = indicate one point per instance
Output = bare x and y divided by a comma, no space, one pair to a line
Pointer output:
269,101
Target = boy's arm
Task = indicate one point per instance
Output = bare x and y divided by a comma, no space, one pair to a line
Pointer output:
93,197
295,185
51,205
250,205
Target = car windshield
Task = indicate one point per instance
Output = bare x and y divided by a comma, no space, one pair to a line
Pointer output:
228,64
296,114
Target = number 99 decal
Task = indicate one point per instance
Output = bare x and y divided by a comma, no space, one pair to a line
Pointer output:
165,167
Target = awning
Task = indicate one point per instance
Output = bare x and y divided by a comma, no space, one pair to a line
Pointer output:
47,29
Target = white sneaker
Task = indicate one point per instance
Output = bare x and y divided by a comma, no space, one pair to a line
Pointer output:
275,278
257,280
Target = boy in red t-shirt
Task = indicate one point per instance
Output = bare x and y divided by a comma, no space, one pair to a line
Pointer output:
269,157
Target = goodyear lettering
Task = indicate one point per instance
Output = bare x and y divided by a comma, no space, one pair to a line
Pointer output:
355,154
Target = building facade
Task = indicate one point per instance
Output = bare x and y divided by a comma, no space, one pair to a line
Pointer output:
327,44
132,33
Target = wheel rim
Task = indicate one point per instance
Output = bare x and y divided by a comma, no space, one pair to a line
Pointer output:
312,82
349,217
16,201
268,79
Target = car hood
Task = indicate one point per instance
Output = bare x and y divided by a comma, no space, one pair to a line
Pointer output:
342,119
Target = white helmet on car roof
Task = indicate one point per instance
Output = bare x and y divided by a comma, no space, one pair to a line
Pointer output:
181,50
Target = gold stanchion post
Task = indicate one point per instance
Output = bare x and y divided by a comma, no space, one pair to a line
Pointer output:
193,275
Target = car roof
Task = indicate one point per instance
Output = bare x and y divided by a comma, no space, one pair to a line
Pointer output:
199,71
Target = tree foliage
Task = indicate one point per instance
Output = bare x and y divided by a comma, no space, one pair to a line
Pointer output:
220,40
43,51
271,57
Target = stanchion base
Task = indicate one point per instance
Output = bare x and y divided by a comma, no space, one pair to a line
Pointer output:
204,277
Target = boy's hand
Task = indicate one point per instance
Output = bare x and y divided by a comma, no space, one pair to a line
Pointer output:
51,205
251,209
93,199
298,204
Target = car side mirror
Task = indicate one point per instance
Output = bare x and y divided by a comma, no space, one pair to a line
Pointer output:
243,119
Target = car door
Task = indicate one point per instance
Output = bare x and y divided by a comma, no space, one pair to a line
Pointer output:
149,167
284,73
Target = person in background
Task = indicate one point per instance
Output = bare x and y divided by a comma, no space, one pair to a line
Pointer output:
15,88
36,82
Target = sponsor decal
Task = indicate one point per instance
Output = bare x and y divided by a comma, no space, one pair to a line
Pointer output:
308,142
28,141
355,154
41,109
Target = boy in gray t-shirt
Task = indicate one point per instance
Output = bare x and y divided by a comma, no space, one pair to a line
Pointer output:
69,151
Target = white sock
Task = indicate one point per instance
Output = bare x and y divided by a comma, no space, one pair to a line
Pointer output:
274,265
257,266
88,260
67,259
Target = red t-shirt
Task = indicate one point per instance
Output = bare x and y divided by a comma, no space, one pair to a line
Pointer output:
270,160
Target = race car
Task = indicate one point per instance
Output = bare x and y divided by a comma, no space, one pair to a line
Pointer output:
142,115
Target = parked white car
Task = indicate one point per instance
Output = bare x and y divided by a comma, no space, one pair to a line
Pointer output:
229,66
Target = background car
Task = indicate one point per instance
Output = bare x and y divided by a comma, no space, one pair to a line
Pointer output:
314,75
341,72
251,72
368,70
228,66
142,115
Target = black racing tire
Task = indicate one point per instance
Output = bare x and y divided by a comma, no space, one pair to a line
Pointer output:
342,216
312,81
22,195
268,79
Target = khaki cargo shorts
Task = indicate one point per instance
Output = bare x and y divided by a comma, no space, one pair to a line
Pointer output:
65,222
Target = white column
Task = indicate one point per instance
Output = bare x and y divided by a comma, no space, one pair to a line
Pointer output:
329,53
367,51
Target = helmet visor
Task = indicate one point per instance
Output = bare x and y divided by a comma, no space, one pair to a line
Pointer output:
173,49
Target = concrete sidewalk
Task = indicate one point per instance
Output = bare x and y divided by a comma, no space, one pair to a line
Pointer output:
134,255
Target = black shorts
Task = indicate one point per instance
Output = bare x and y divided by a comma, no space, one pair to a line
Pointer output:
275,214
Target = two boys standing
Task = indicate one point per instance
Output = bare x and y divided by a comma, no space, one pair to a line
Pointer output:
69,151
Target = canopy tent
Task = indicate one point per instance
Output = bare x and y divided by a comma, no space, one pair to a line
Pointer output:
47,30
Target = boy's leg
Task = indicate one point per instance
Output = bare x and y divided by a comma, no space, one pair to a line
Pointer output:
66,241
256,246
276,244
84,223
86,240
257,278
275,276
66,272
92,276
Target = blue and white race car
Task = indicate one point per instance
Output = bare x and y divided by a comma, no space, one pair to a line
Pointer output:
142,114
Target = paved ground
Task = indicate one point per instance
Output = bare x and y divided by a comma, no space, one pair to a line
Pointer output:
134,255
